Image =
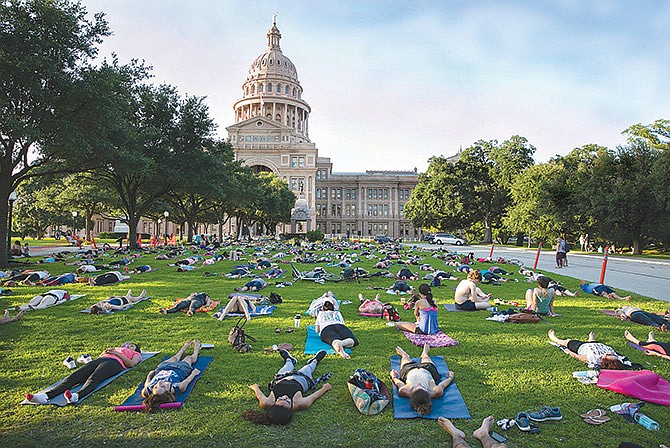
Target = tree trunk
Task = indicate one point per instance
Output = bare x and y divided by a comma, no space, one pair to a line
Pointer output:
519,239
89,216
488,233
637,247
132,231
4,231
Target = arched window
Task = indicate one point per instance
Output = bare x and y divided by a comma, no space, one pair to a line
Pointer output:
278,88
260,88
294,92
253,89
269,87
278,117
286,89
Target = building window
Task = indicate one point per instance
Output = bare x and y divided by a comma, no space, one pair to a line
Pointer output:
353,193
339,193
301,162
286,89
369,210
260,88
333,192
278,88
386,209
353,210
269,87
347,194
374,210
318,193
347,210
386,193
369,193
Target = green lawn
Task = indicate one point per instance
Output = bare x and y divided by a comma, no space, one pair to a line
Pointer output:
500,369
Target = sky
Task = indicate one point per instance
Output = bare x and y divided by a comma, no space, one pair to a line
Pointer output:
393,83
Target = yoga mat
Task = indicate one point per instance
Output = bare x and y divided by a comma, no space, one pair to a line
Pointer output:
450,404
439,339
25,307
261,310
452,307
370,315
60,399
314,344
134,402
127,307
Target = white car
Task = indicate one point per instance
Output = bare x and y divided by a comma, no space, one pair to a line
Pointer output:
447,238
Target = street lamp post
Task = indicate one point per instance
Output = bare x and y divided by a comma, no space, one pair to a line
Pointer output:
74,223
158,230
12,197
166,214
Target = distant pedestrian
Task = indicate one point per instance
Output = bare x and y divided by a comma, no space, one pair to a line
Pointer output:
561,258
582,242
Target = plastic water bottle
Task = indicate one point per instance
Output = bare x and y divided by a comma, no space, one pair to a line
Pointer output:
645,421
296,321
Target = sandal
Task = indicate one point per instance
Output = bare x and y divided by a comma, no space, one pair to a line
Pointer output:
593,413
597,421
290,330
277,330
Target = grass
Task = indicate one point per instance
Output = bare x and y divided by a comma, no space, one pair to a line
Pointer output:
500,369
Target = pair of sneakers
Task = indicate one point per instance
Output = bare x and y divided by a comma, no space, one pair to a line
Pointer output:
287,356
70,363
523,420
42,398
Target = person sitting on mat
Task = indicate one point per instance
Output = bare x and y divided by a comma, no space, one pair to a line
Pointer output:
541,299
111,362
425,312
117,302
194,301
330,327
651,347
468,296
482,434
643,317
598,289
287,392
595,354
419,381
238,304
170,377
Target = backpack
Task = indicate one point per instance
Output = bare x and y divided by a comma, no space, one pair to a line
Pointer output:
237,336
568,247
524,318
390,313
275,298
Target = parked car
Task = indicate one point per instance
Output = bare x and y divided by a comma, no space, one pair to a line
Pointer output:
447,238
383,239
428,237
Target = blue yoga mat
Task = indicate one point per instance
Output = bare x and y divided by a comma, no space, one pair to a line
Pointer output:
450,404
60,399
314,344
136,398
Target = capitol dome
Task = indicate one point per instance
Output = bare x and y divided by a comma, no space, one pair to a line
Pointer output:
272,90
273,62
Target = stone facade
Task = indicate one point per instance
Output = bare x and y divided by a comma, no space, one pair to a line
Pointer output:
271,133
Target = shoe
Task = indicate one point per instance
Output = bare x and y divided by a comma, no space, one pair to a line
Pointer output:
522,421
84,359
69,362
546,413
71,397
287,356
318,357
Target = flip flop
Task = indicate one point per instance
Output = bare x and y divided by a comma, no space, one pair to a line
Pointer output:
597,413
597,421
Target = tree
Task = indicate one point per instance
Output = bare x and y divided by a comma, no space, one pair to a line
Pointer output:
81,192
157,145
47,103
274,202
475,189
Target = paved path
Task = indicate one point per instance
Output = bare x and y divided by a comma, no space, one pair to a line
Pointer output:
643,276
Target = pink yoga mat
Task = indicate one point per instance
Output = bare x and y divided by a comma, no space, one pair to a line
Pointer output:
643,385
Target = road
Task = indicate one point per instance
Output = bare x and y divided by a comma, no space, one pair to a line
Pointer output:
643,276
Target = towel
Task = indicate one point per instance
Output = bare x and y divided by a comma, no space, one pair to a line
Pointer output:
643,385
60,399
450,404
439,339
134,402
72,297
261,310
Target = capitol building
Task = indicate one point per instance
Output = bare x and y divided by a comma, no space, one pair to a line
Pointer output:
271,133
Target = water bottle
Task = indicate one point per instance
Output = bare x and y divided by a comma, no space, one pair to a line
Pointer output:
645,421
296,321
